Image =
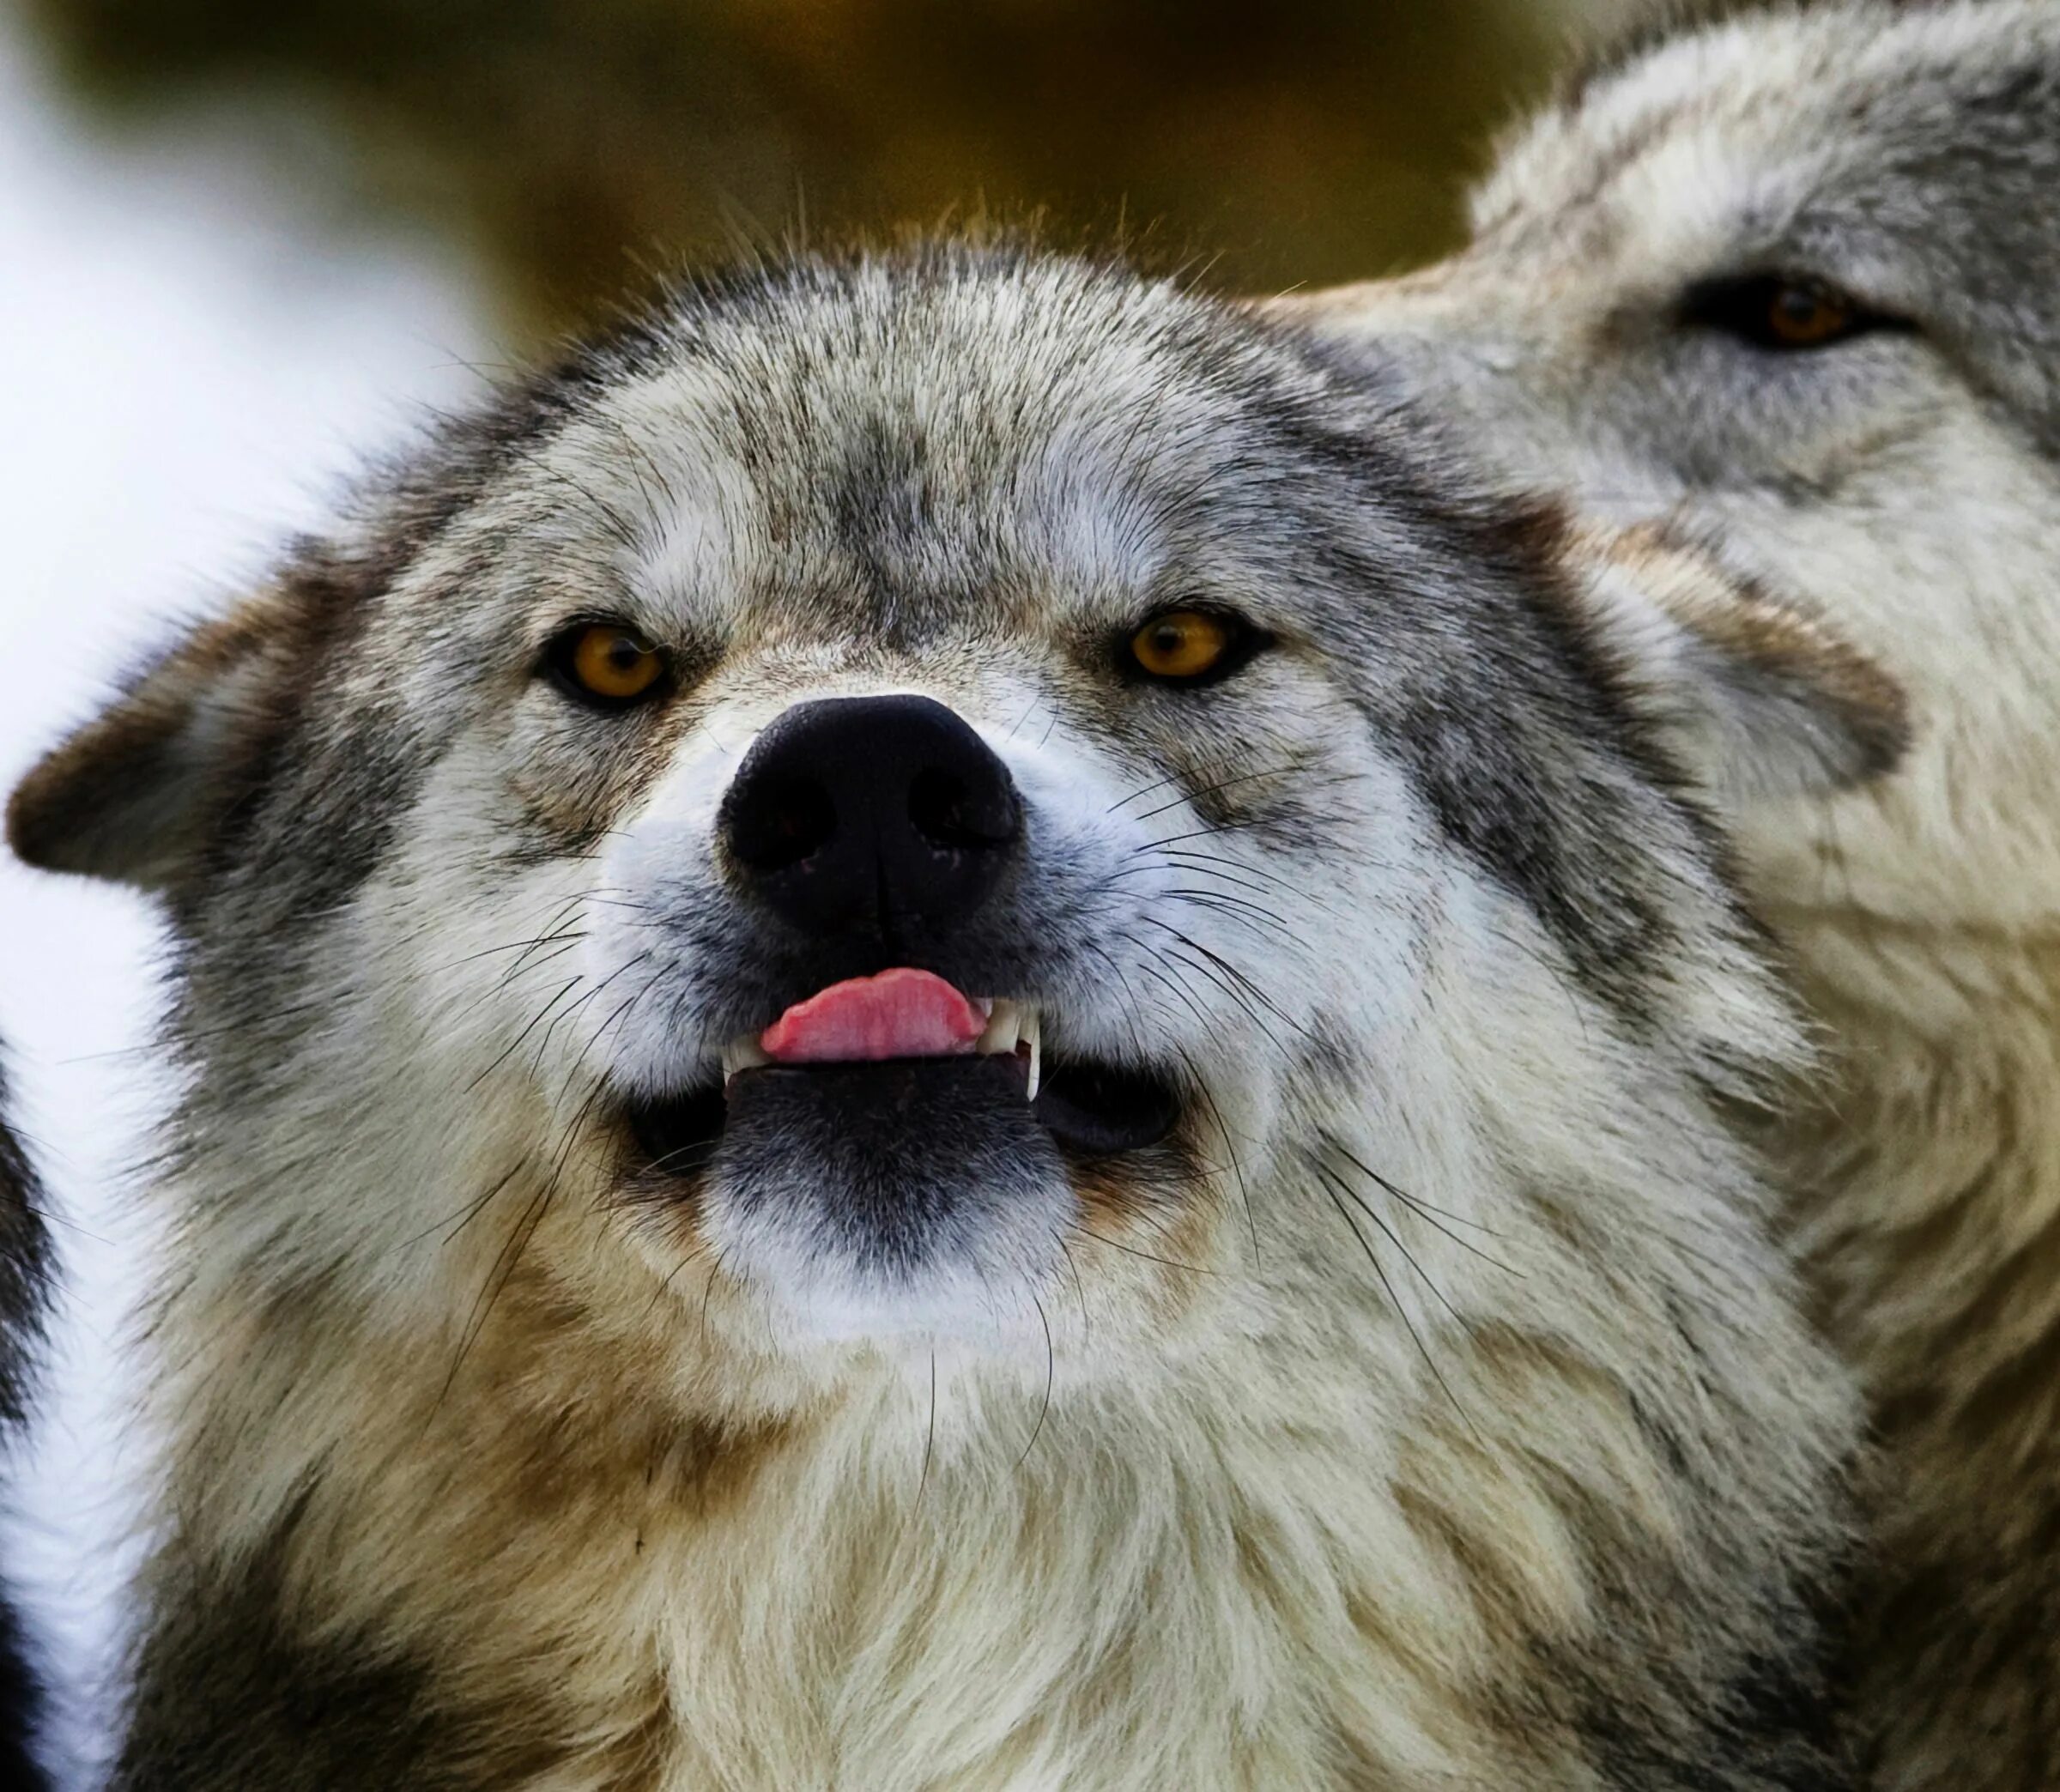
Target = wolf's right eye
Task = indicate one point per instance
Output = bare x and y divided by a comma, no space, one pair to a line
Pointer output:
608,665
1783,312
1191,646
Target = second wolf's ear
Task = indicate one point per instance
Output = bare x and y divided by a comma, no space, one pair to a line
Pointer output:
1757,699
136,795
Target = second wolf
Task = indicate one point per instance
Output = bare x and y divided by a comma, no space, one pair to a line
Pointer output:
1789,287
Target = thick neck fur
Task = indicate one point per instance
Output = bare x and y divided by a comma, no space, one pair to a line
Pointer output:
551,1542
1929,1213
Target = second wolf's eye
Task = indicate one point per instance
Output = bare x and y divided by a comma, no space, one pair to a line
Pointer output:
607,664
1802,317
1185,645
1773,311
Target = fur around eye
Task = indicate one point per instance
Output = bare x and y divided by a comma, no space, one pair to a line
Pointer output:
1783,313
605,665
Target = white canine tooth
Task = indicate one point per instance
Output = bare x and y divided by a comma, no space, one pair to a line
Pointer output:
1000,1032
742,1053
1033,1031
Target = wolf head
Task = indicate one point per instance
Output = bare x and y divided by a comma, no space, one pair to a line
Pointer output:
912,848
1791,284
899,786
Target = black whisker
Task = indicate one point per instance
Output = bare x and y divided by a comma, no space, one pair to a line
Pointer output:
1260,921
452,1225
1392,1237
1179,989
515,1045
1424,1210
1157,784
1237,977
471,958
1401,1311
1237,998
1201,1088
929,1435
498,1277
1087,1232
1080,1293
1191,796
1051,1372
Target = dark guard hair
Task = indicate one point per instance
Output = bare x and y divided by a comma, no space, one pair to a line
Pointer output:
23,1273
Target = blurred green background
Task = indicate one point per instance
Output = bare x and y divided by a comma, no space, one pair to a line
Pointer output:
571,142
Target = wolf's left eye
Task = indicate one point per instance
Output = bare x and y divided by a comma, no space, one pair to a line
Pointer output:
1186,647
606,664
1784,312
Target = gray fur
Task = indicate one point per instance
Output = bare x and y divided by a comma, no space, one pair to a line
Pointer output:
24,1286
1898,493
1171,1455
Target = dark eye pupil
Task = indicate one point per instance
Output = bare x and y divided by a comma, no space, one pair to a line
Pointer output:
624,654
1169,637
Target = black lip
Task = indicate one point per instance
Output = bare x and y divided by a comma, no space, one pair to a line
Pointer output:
1098,1111
1090,1110
678,1133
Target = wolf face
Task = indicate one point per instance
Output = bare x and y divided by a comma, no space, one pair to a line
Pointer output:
910,934
1789,288
1787,285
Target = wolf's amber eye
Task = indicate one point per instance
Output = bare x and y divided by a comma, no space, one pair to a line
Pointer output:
1802,317
1784,312
606,662
1183,645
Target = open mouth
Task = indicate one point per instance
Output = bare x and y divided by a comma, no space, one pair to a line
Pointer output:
907,1039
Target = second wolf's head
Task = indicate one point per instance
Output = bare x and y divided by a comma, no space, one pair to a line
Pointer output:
1789,286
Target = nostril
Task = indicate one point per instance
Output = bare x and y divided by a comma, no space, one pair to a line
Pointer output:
948,813
861,818
783,824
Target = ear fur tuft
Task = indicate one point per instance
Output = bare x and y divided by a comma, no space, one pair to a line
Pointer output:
134,796
1760,699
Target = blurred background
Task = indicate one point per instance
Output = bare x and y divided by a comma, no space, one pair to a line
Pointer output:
243,241
562,142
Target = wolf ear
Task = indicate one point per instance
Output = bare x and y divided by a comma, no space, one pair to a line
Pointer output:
1757,699
136,793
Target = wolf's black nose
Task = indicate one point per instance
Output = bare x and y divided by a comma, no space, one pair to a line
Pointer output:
882,814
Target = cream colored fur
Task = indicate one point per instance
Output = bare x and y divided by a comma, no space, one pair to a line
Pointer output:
1433,1410
1902,494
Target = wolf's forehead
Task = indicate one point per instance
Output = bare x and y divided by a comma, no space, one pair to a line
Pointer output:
926,453
1798,119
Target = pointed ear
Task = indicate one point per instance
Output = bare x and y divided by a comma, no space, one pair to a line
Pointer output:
1756,698
136,793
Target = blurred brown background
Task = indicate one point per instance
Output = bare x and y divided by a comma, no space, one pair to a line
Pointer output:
572,141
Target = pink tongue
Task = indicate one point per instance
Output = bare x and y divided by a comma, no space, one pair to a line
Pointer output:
898,1013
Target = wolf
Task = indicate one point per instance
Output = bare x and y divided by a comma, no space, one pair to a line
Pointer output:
1787,286
24,1282
941,1027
